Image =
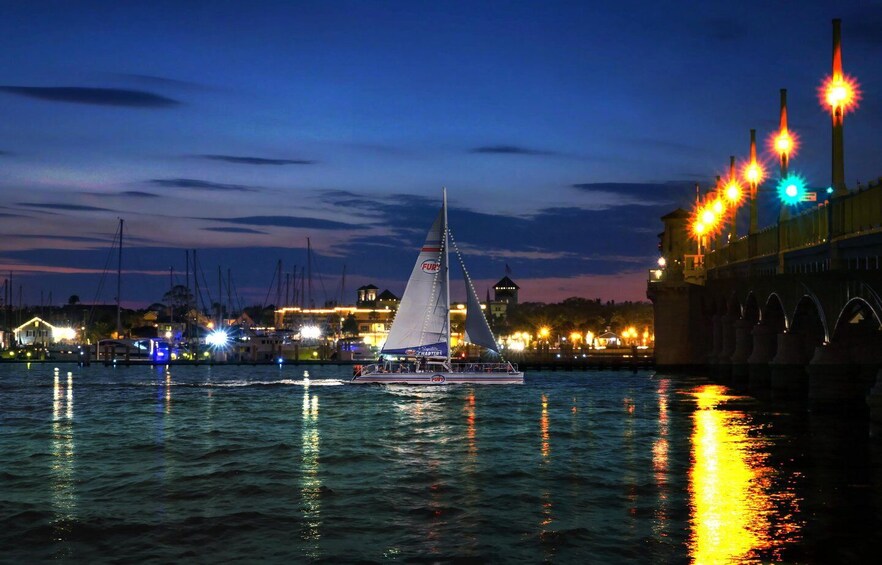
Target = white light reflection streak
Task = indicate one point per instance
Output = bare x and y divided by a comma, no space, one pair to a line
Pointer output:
661,521
310,483
64,499
168,396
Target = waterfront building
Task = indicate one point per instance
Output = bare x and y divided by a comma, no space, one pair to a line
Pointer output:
367,295
506,291
37,331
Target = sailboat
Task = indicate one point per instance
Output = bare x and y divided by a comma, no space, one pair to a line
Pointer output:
417,349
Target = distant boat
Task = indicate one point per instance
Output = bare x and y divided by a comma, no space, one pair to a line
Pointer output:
417,350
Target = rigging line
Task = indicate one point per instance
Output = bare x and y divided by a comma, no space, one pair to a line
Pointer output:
270,287
207,289
319,274
468,279
103,276
432,306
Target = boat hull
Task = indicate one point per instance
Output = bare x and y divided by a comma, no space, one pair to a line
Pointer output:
440,378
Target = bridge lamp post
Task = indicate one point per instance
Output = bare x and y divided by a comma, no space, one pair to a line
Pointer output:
733,194
784,145
839,93
753,175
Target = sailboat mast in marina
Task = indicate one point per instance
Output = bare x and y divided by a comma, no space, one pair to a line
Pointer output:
417,349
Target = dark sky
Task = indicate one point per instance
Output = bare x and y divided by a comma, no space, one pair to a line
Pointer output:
562,131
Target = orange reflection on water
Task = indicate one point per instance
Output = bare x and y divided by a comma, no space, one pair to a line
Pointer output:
471,432
543,427
730,486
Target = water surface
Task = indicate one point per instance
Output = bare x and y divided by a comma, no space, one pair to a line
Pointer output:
247,463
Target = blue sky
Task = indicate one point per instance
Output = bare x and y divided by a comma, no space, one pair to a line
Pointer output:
562,130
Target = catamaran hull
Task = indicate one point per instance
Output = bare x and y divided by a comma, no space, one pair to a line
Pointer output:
441,378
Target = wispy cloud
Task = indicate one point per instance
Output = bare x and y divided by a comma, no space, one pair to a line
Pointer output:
4,153
509,150
68,207
97,96
76,238
156,80
239,160
235,230
138,194
202,185
287,222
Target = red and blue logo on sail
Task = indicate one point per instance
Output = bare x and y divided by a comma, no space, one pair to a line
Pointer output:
430,266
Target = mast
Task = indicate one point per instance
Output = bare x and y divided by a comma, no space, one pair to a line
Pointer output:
187,295
220,293
279,285
309,302
446,274
171,302
196,300
119,283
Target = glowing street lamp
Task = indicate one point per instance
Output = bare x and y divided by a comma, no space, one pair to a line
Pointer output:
784,143
733,193
840,93
753,174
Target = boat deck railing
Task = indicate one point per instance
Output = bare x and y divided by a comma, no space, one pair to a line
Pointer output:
414,367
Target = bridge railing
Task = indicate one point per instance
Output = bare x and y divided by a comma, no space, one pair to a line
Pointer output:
862,208
766,242
810,227
851,214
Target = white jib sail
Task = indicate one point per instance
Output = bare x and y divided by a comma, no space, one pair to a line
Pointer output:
477,330
420,327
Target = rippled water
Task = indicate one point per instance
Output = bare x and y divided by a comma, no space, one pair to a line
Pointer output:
250,463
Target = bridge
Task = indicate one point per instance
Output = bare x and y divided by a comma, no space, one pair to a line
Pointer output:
793,310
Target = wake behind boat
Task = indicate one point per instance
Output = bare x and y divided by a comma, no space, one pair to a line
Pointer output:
417,350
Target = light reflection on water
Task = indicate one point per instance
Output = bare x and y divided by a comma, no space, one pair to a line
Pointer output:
660,467
64,496
589,467
729,484
310,480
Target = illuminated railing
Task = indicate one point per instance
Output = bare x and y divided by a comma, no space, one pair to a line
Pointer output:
862,210
766,242
806,229
852,214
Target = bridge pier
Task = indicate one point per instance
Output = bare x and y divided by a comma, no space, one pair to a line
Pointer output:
743,350
765,345
714,355
724,358
834,384
787,368
874,403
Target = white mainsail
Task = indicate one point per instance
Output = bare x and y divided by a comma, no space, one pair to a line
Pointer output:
421,326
